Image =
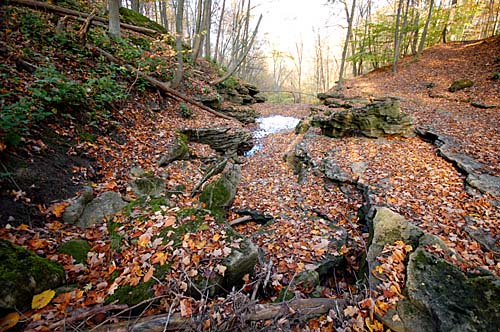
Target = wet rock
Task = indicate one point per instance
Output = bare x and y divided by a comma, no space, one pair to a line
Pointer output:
103,206
77,248
178,151
460,85
222,140
76,206
148,186
373,120
24,274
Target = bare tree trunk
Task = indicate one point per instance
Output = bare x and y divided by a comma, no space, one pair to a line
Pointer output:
397,40
350,19
179,16
426,28
135,5
114,18
207,19
197,33
242,58
219,31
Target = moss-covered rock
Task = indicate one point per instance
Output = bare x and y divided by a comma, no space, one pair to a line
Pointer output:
219,195
178,151
148,186
135,18
460,85
24,274
77,248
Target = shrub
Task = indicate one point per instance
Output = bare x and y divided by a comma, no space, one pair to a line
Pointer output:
186,111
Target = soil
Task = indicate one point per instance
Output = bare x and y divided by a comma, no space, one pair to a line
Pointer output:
37,174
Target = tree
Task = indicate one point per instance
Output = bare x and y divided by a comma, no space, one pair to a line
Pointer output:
114,18
426,29
179,16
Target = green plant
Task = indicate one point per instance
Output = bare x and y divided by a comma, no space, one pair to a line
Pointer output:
496,76
186,111
32,26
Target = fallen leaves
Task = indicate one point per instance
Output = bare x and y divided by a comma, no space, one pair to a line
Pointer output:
41,300
9,321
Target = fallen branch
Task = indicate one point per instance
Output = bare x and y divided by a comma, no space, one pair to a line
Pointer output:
260,312
215,169
158,84
66,11
240,220
87,314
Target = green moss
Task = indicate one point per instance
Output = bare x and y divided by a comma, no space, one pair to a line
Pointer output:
114,236
135,18
23,274
78,249
132,295
185,227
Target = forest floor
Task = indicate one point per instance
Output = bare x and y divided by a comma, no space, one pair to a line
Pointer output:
422,186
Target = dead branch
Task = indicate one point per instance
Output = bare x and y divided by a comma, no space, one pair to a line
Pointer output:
158,84
88,313
240,220
84,30
261,312
215,169
65,11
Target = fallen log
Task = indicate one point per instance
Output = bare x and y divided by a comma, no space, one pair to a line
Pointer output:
158,84
65,11
260,312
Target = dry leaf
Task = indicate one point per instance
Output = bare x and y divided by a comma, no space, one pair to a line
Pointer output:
9,321
41,300
57,209
149,274
186,309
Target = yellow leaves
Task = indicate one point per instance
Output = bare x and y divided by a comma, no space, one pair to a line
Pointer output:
159,257
144,240
9,321
41,300
376,326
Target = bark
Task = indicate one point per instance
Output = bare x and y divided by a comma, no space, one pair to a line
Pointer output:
208,26
179,72
78,15
350,19
197,33
219,31
397,39
426,28
158,84
114,18
242,58
262,312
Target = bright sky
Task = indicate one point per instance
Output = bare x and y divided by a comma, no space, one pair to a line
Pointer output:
286,22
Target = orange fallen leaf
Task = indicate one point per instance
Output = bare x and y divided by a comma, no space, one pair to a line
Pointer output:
57,209
41,300
149,274
9,321
186,309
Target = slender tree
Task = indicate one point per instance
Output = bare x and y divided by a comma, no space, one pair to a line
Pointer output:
179,16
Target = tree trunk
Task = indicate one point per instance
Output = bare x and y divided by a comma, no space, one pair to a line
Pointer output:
197,33
207,19
242,58
350,19
114,18
426,28
135,5
397,40
219,31
179,16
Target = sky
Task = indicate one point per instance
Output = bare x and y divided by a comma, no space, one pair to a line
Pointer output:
286,22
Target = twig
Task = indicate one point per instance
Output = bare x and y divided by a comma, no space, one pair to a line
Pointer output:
8,174
240,220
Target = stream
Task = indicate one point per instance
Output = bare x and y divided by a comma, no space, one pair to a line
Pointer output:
270,125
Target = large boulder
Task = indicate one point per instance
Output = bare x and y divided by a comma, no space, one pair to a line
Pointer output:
74,210
460,84
438,295
103,206
378,119
151,186
24,274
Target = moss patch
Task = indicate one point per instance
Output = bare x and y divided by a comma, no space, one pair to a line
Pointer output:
24,274
135,18
78,249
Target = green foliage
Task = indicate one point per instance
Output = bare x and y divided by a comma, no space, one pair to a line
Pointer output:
135,18
496,76
186,111
32,26
230,83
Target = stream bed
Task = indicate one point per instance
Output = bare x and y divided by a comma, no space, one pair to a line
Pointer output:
270,125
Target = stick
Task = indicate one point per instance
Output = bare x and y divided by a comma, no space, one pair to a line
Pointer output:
240,220
88,313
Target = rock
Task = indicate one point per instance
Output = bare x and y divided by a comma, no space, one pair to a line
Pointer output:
330,94
485,183
428,85
460,85
303,126
334,172
332,102
77,248
333,257
452,300
24,274
76,206
252,89
482,106
244,114
219,195
242,89
438,296
260,98
178,151
240,262
305,282
222,140
136,172
213,101
148,186
103,206
257,216
377,119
